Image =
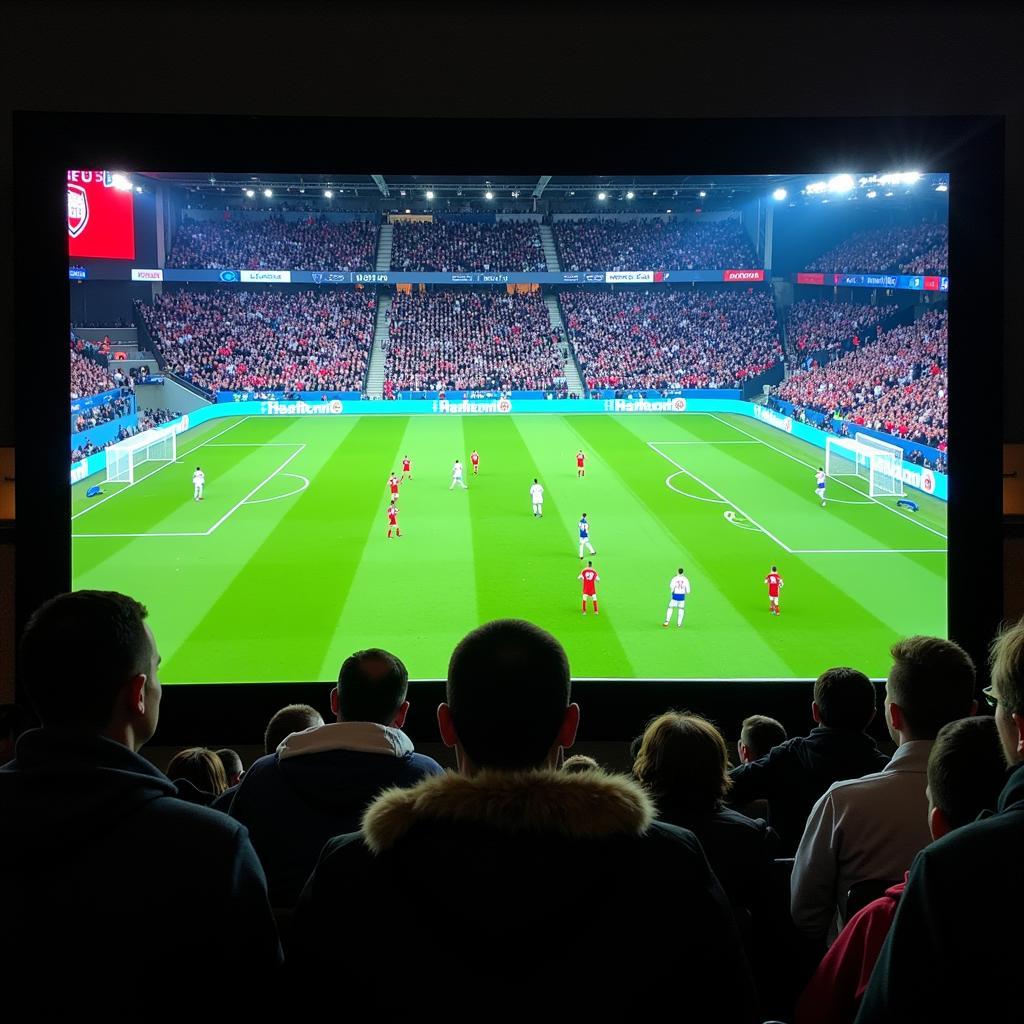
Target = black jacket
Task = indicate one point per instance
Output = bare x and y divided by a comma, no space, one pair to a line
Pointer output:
556,886
794,774
953,952
99,857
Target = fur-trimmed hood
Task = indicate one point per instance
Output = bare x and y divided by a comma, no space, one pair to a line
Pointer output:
588,805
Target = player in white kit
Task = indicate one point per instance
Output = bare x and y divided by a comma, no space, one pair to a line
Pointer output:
457,476
819,486
537,497
198,480
679,587
585,536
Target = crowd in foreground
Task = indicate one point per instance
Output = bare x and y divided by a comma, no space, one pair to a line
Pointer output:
342,837
896,384
668,338
295,341
904,248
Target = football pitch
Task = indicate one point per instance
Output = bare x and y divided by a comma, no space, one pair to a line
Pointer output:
284,569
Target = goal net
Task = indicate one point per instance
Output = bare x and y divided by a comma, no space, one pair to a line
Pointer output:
125,457
879,463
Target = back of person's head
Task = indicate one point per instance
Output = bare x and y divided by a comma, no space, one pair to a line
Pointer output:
845,698
932,682
759,734
202,767
580,763
966,772
372,685
292,718
1006,664
683,761
104,635
508,691
232,764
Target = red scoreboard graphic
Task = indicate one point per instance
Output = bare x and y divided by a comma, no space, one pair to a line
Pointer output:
101,221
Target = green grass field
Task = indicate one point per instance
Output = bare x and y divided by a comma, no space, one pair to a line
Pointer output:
284,568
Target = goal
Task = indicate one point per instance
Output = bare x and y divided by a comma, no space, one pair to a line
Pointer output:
864,456
125,457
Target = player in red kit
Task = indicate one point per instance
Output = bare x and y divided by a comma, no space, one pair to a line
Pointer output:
475,459
580,458
393,485
406,468
393,519
775,584
590,578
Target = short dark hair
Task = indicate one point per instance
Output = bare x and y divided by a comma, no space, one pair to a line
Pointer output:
1006,664
932,681
202,767
966,769
105,634
508,688
683,761
292,718
845,699
372,685
231,761
761,733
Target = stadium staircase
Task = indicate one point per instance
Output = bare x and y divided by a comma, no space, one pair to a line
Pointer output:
573,379
375,371
547,241
384,243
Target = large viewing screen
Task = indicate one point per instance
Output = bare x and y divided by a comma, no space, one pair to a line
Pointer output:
695,426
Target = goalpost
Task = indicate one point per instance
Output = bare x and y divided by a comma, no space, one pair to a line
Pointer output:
125,457
864,456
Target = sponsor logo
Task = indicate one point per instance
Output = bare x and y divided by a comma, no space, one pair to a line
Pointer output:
318,277
77,273
773,419
147,275
806,278
931,284
943,284
881,280
742,275
462,278
494,278
661,275
78,208
915,282
569,278
275,408
336,278
106,178
371,278
594,278
644,405
229,275
679,405
278,276
928,481
629,276
504,405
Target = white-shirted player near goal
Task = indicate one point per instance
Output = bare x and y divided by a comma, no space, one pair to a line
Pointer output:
457,476
198,480
819,487
537,497
679,587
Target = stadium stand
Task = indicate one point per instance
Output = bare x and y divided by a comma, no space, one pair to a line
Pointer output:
102,414
457,340
817,326
653,244
88,377
896,384
297,341
315,243
669,339
449,247
891,248
147,420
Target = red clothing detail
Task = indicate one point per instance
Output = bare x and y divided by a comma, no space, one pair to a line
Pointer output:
590,578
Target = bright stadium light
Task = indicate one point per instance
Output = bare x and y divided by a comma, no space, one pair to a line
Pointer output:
703,195
121,182
249,193
888,194
302,191
328,194
942,187
602,196
816,188
872,194
655,192
408,211
841,183
430,195
910,177
138,188
268,192
488,195
779,194
668,211
629,195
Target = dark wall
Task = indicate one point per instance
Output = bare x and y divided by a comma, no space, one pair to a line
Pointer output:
100,301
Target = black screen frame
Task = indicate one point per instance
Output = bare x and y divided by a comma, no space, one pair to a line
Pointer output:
969,148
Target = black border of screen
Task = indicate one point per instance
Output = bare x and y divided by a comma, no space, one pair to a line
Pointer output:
969,148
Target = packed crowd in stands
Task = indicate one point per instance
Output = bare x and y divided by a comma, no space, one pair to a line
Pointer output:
238,242
814,325
653,244
455,340
896,384
452,247
292,856
147,420
104,413
894,249
89,375
238,340
668,338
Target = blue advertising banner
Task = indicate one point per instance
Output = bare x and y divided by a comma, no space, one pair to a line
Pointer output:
897,282
83,404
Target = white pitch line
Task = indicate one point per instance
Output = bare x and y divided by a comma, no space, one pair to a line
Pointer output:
703,442
870,551
154,473
234,508
719,494
810,465
686,494
290,494
76,536
282,444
